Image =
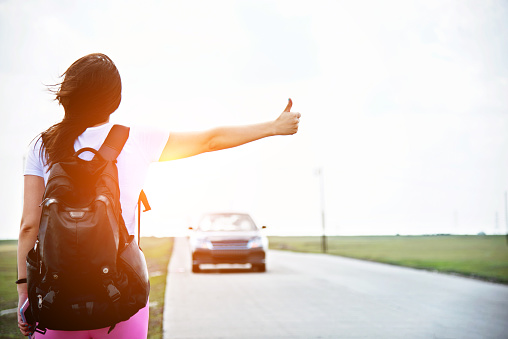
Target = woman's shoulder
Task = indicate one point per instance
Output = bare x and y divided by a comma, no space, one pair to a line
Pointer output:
34,147
34,158
149,140
144,133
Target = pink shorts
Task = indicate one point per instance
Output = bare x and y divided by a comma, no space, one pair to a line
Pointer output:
135,327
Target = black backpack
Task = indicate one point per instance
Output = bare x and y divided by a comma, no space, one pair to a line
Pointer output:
85,271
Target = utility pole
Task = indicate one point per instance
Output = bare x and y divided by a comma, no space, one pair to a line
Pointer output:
319,172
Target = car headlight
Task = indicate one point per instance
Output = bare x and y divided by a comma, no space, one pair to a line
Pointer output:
204,243
255,242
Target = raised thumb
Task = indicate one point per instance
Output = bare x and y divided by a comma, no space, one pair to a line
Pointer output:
288,107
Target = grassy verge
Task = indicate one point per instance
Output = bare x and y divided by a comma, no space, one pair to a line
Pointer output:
484,257
157,252
8,292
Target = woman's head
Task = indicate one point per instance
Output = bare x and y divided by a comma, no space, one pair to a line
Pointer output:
90,91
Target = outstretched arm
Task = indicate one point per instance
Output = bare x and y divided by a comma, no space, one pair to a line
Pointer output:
186,144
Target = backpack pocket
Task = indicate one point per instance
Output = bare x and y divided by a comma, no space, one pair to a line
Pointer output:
33,278
132,260
135,285
32,268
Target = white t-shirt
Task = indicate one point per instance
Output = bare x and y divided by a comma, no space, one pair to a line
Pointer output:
143,147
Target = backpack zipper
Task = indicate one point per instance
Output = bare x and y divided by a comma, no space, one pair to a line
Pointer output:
48,201
40,301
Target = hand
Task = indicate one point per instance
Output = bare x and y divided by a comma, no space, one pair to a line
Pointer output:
23,327
287,122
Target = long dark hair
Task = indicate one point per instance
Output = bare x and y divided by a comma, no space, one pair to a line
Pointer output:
90,91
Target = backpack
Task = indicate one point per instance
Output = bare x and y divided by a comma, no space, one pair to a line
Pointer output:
85,271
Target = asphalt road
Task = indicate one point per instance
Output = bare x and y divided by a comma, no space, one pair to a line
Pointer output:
323,296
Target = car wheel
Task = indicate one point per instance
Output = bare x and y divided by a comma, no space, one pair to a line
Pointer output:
196,269
259,267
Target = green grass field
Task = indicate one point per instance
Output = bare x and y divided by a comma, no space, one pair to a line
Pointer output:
157,252
483,257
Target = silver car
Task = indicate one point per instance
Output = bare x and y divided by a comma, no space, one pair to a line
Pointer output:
228,238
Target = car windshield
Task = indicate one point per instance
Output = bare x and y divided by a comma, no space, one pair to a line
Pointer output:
226,222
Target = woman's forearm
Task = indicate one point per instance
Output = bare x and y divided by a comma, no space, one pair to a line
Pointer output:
227,137
27,238
232,136
33,191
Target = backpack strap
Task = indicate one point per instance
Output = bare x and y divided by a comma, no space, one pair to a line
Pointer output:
142,200
114,142
110,149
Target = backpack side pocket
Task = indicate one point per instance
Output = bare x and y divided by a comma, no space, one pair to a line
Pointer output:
33,278
132,267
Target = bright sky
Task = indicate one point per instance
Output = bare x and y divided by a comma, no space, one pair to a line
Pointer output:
403,106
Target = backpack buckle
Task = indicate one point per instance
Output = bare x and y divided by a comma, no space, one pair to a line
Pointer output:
40,330
48,300
113,292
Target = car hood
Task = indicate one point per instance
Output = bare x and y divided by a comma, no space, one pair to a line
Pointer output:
221,236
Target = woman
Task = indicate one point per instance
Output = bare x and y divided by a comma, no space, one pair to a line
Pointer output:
89,93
